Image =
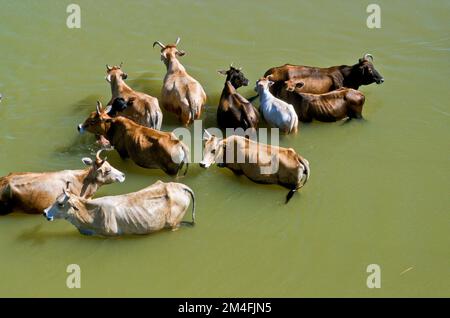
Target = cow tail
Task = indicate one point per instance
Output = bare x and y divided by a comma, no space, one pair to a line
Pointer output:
189,190
185,159
192,105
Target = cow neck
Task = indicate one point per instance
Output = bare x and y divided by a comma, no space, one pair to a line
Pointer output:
265,96
88,183
351,75
83,216
228,90
117,128
174,66
118,87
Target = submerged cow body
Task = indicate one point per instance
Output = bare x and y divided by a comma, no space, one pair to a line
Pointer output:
161,205
261,163
275,111
322,80
147,147
234,111
33,192
139,107
181,94
329,107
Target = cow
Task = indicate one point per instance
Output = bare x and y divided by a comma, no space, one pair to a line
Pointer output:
139,107
323,80
234,110
275,111
147,147
181,94
161,205
329,107
261,163
33,192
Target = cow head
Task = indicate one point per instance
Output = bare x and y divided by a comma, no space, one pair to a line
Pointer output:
64,207
115,72
235,76
213,150
294,84
263,84
101,172
98,121
169,51
367,72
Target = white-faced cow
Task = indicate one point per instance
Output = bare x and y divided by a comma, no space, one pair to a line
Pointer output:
261,163
161,205
33,192
181,94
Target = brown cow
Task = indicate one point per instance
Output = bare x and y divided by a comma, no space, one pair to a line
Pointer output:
322,80
181,94
147,147
335,105
235,111
261,163
33,192
139,107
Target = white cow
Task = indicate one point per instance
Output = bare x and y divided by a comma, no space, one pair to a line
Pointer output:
276,112
161,205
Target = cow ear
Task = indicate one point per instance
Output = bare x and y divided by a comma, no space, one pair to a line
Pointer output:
222,72
299,85
108,109
87,161
181,53
109,120
271,83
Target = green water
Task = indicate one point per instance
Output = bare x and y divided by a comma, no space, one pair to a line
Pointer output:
379,190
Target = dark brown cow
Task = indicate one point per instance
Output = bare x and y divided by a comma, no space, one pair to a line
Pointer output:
147,147
322,80
335,105
234,110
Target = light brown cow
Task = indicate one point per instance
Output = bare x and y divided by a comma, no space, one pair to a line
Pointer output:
261,163
329,107
147,147
181,94
33,192
161,205
139,107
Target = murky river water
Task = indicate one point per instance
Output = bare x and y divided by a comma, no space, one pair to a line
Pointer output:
379,190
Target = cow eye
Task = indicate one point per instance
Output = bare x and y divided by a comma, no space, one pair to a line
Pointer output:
107,171
213,151
60,204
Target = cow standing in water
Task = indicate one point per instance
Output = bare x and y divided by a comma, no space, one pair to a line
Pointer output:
148,148
139,107
323,80
161,205
33,192
275,111
234,110
261,163
328,107
181,94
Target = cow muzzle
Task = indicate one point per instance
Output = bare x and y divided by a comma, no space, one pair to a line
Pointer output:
45,214
81,129
380,81
204,165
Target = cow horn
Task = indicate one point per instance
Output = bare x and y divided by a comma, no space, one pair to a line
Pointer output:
120,65
160,44
231,65
99,107
109,68
177,41
98,158
368,55
207,134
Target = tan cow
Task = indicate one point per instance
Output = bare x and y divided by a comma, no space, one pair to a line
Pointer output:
161,205
33,192
261,163
181,94
147,147
139,107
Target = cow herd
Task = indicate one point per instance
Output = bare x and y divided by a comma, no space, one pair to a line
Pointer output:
131,124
